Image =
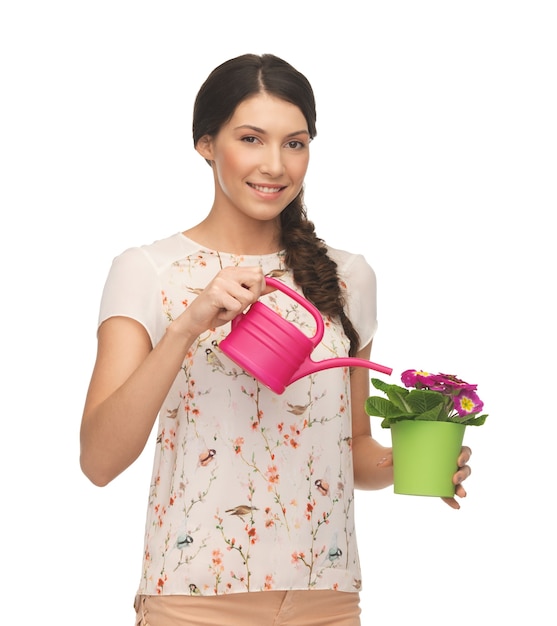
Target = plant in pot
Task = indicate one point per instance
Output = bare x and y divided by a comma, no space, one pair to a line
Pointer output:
427,417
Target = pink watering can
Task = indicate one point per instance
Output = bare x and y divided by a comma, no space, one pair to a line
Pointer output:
274,351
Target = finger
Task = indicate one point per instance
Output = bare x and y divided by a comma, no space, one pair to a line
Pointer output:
257,287
462,474
227,314
230,302
452,503
232,296
250,278
464,456
460,491
267,289
385,461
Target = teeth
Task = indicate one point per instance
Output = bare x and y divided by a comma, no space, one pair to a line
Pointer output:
266,189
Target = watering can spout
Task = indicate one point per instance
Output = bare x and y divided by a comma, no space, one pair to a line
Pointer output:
311,367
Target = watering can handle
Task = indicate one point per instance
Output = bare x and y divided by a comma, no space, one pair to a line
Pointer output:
309,366
320,326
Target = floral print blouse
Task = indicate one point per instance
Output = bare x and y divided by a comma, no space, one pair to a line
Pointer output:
251,490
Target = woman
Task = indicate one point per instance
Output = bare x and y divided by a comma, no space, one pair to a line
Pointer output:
250,517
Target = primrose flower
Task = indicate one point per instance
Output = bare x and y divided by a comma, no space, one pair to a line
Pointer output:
449,381
467,402
416,378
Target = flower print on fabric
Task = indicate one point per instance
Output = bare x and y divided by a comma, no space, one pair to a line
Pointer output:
250,490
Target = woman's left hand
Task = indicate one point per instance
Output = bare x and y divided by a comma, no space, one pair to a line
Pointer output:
461,475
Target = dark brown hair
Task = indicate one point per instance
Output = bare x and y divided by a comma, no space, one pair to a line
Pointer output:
227,86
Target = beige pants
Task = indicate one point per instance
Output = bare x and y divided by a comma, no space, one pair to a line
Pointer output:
265,608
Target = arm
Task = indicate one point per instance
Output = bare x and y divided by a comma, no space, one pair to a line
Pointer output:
131,379
372,461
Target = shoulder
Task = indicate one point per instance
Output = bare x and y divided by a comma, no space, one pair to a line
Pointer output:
135,281
359,283
352,267
159,254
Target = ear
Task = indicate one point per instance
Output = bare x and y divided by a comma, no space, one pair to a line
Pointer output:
205,147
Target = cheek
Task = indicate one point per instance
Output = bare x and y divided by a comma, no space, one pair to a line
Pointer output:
231,165
298,168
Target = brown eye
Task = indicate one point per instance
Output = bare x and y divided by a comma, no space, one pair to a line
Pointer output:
295,145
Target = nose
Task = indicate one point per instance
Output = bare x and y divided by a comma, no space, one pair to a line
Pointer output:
271,162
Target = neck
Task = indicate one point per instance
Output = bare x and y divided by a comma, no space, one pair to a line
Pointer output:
240,237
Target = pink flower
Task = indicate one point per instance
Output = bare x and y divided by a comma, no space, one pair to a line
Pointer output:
415,378
467,402
445,383
449,381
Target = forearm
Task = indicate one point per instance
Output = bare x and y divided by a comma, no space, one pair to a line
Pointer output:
372,463
115,430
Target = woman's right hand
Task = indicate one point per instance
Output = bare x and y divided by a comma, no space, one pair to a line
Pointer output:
231,291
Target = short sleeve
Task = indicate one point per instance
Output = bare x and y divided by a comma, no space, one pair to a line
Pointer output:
132,289
361,292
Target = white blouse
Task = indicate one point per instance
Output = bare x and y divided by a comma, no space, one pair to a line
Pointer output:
251,490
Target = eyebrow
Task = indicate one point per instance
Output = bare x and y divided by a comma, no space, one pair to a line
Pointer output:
256,129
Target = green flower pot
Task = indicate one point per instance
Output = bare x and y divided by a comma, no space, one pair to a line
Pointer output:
424,456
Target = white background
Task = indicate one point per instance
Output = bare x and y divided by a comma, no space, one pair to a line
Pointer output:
435,157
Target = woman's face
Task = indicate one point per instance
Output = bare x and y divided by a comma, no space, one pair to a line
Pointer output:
259,158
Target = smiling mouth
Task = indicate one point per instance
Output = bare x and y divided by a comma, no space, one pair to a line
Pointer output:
267,188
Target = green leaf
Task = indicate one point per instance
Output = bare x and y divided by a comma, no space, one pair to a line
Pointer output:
423,400
434,414
395,393
474,421
380,384
381,407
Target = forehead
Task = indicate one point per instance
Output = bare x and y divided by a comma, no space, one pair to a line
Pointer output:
269,113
